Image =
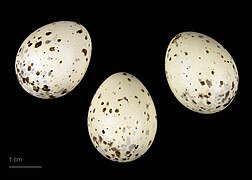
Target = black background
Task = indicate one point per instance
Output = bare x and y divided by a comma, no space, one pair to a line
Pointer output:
133,38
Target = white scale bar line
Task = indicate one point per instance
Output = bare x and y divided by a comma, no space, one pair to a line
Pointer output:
25,166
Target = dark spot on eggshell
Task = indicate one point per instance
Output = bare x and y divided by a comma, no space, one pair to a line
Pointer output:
94,138
38,44
110,143
206,96
234,67
201,82
201,95
45,88
100,139
50,72
29,44
84,51
79,31
203,108
52,49
233,85
124,98
52,97
184,95
35,88
29,68
25,79
48,33
63,91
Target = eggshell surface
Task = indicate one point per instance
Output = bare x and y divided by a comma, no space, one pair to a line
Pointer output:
200,72
122,118
53,59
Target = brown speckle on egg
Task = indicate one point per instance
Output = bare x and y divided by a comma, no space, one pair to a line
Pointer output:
48,33
36,88
79,31
84,51
29,45
45,88
52,49
38,44
201,82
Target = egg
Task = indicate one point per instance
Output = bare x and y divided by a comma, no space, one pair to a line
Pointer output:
200,72
122,120
53,59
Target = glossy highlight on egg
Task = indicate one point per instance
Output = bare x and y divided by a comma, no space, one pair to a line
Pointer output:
53,59
200,72
122,119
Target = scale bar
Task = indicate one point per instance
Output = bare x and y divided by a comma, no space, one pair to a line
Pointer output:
25,166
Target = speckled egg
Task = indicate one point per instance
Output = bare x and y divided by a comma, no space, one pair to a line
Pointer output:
53,59
200,72
122,119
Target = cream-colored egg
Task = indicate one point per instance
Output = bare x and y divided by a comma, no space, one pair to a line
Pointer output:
53,59
122,118
200,72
